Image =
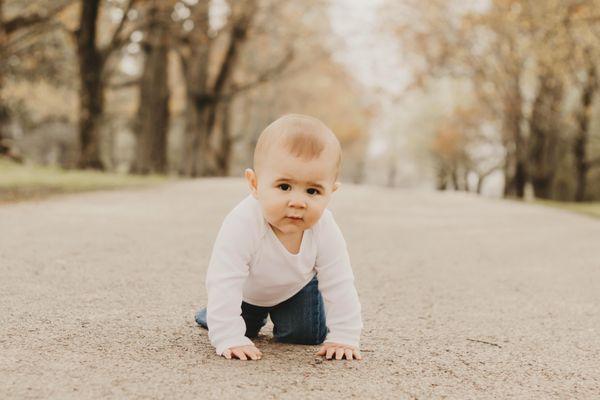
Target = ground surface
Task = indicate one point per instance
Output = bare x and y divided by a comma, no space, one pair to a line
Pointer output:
34,182
462,298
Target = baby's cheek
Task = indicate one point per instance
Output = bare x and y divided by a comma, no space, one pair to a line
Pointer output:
312,218
273,210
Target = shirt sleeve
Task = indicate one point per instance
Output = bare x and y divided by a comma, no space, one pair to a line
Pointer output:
336,284
227,272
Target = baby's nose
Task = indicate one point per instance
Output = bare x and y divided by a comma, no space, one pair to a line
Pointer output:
297,202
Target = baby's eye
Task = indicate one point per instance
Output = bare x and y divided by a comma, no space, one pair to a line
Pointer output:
285,187
312,191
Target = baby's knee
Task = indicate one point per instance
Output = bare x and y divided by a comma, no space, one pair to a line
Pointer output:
301,335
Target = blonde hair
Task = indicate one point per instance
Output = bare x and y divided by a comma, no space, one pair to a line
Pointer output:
301,135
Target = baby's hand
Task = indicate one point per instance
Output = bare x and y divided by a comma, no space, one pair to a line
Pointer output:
340,350
243,352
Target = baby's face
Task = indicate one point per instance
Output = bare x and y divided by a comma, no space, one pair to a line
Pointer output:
294,192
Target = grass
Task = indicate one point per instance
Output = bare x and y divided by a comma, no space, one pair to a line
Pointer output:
25,182
589,208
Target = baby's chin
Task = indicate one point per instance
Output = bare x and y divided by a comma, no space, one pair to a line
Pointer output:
288,226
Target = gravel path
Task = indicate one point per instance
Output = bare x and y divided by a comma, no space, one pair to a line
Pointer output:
462,298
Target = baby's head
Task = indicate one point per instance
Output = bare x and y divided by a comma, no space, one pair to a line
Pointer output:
296,164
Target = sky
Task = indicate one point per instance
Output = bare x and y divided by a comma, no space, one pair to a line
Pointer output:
368,51
373,57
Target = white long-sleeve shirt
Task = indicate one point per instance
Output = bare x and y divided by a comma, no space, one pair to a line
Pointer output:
249,263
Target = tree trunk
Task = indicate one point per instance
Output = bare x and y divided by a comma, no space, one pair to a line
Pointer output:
195,141
515,170
392,172
454,176
224,151
91,95
465,179
441,182
153,113
521,175
480,180
209,148
358,177
216,160
482,176
4,143
544,131
582,164
196,76
201,158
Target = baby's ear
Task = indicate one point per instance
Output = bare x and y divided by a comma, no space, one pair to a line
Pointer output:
336,186
250,176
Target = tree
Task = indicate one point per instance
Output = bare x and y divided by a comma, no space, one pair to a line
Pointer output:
484,47
566,54
36,22
93,76
311,82
4,144
204,95
504,48
210,61
545,128
153,112
582,34
461,148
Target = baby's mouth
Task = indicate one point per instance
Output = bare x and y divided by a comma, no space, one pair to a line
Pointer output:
294,218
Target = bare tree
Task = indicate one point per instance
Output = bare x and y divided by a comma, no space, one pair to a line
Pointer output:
195,55
569,54
93,77
204,96
4,144
153,114
580,145
456,149
210,60
545,126
36,22
484,47
499,47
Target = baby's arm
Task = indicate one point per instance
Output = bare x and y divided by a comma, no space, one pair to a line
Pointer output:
227,272
336,284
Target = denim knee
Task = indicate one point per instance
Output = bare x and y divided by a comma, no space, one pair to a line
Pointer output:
311,329
300,335
301,319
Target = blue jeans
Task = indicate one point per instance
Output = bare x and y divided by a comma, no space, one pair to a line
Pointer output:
299,319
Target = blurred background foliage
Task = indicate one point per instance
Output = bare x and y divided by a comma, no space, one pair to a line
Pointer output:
525,82
497,97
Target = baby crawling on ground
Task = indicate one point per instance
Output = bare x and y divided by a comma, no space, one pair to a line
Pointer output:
280,253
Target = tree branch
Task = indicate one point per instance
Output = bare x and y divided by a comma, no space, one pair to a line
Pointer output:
109,69
116,40
489,171
239,34
22,22
124,84
184,59
262,78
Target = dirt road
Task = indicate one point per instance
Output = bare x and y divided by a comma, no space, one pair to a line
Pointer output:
462,298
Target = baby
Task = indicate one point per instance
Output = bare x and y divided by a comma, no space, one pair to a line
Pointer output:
279,252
